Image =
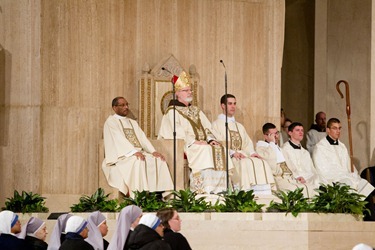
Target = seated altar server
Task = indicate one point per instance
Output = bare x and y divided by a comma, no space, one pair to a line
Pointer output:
273,154
297,158
332,161
250,172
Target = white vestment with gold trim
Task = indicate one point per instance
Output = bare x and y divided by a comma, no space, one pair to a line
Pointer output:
122,138
207,163
284,178
250,172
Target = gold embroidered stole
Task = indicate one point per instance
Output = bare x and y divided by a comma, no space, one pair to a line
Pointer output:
285,168
192,115
235,139
130,135
219,157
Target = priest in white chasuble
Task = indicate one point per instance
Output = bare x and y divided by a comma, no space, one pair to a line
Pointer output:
206,156
250,171
131,162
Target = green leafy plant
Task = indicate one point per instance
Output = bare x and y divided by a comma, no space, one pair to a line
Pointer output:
148,201
98,201
26,203
291,202
187,201
338,198
238,201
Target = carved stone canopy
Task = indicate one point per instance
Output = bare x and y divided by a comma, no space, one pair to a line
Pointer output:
155,92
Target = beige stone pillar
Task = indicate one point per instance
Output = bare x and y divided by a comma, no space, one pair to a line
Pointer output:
20,97
344,44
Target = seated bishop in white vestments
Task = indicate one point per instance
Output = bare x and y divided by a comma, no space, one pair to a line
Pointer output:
205,155
250,171
131,162
332,161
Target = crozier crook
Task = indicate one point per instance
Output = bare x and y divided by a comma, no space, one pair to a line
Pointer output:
347,95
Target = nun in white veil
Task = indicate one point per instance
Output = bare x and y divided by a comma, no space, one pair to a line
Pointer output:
76,233
34,232
97,225
126,222
10,226
58,233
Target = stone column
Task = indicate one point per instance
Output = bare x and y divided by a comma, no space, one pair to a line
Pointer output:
344,44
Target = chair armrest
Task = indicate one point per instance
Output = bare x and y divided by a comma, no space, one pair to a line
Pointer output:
165,147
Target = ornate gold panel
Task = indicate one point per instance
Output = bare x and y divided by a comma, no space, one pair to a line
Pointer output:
155,92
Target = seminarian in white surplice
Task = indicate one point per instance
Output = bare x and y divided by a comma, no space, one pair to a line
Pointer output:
250,172
332,161
273,154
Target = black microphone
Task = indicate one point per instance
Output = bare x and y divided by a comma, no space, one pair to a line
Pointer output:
221,61
226,124
174,77
166,70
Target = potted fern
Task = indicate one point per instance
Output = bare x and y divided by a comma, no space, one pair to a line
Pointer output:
25,202
332,201
98,201
148,201
239,202
339,198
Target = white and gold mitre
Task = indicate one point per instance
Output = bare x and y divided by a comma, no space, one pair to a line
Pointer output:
183,81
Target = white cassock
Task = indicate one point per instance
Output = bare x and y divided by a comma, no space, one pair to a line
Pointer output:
284,178
250,172
122,138
313,136
207,162
332,163
300,163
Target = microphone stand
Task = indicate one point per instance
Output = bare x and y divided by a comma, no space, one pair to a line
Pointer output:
174,130
226,124
174,136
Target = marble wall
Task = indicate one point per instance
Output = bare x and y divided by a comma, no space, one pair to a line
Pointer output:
63,61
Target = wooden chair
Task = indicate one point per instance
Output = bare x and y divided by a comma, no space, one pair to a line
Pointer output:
163,146
102,180
155,92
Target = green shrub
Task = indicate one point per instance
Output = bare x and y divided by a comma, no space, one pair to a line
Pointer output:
147,201
338,198
187,201
335,198
97,202
238,201
26,203
291,202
